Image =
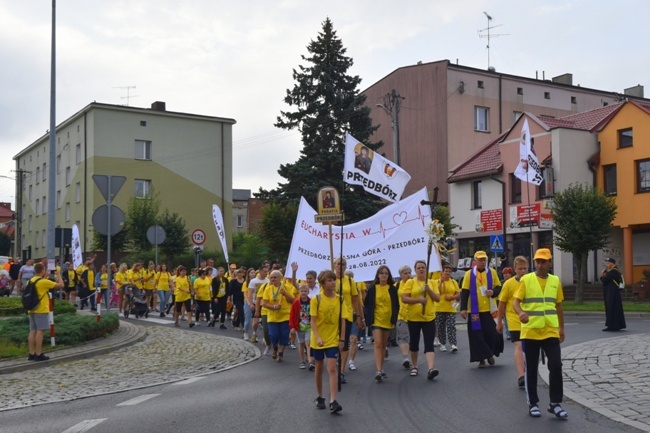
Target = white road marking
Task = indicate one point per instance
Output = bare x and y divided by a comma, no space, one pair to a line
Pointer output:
137,400
85,425
188,381
154,320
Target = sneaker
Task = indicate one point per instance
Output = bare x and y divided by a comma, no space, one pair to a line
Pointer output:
246,338
162,314
443,348
267,351
254,339
454,349
196,324
192,325
343,379
436,342
302,366
378,376
31,357
521,382
406,364
41,357
320,403
312,366
351,365
292,346
432,374
335,407
359,346
222,326
183,319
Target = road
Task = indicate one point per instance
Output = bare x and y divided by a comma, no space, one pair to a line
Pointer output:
263,396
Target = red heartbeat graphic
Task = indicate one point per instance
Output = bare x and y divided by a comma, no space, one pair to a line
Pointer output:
399,218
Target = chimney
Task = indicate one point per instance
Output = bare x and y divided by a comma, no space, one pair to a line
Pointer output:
634,91
159,106
564,79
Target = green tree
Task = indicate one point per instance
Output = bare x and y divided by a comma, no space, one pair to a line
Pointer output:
5,244
583,219
177,239
276,229
248,250
326,104
119,241
141,214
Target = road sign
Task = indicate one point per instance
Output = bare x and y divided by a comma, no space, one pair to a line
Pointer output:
198,236
103,181
496,244
328,218
156,235
100,220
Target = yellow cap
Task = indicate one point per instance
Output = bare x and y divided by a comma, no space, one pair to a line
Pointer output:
543,254
480,255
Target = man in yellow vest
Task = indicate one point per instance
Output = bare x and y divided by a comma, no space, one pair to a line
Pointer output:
538,302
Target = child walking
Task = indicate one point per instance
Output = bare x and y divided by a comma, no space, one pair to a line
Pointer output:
327,327
300,324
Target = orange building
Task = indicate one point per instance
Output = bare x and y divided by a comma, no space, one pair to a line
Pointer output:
624,172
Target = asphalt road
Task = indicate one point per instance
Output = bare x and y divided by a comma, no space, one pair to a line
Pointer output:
263,396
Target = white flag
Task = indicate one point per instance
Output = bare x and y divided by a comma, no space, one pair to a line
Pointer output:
377,174
528,169
221,231
76,247
394,236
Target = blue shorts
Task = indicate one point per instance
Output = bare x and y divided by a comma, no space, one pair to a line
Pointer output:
320,354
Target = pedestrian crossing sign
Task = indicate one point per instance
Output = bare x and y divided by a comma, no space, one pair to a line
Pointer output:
496,244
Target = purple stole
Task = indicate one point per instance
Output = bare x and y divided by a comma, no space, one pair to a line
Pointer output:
475,318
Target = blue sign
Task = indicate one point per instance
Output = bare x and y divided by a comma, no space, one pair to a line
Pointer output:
496,244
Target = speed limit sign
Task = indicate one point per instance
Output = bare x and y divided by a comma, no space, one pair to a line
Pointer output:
198,237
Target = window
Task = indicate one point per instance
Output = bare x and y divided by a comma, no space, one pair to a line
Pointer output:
67,176
476,195
547,95
44,204
143,150
78,154
44,238
545,189
77,192
515,189
480,84
44,171
574,100
36,239
643,175
520,90
58,199
38,175
37,207
609,175
624,138
67,212
143,123
58,164
30,223
142,188
77,128
481,118
29,194
240,221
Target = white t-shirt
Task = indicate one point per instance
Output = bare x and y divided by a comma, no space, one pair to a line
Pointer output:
254,284
315,291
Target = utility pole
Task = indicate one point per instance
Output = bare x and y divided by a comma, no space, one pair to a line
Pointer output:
391,106
18,235
51,185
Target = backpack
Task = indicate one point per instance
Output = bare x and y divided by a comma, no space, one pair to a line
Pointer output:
29,296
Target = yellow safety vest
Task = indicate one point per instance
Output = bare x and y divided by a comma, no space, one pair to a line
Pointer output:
540,306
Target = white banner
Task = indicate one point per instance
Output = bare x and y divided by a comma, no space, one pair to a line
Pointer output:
528,169
220,228
376,174
394,236
77,260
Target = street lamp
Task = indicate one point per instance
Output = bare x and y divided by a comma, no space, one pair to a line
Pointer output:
391,107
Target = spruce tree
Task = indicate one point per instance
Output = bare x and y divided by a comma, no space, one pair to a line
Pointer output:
325,104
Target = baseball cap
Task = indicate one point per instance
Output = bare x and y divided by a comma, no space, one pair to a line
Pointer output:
610,259
480,255
543,254
233,266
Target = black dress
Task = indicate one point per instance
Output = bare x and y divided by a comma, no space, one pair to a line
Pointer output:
614,317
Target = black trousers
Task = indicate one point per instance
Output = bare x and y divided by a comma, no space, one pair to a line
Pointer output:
551,347
202,307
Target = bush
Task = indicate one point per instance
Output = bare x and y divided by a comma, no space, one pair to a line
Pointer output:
13,307
71,330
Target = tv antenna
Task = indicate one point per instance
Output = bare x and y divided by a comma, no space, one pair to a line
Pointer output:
488,36
128,93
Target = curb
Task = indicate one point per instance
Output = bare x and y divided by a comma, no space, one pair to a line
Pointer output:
126,335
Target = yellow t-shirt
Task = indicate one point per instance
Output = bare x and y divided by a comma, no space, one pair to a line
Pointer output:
260,296
121,278
449,287
325,310
383,307
361,288
103,281
415,289
202,289
137,278
149,279
272,295
506,296
402,306
481,281
71,278
42,287
547,331
162,281
182,290
349,290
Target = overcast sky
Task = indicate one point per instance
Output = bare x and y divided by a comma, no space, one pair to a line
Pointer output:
235,58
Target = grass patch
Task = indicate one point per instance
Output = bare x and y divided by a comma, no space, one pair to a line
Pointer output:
71,330
599,306
12,306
